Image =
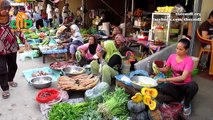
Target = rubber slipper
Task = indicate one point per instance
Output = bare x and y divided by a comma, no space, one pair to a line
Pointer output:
187,111
5,94
13,84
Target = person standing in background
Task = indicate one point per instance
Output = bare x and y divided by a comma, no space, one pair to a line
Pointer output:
38,20
37,9
78,18
206,28
65,11
57,14
44,17
8,50
49,12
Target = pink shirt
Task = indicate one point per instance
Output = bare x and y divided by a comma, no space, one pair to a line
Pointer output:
177,68
85,47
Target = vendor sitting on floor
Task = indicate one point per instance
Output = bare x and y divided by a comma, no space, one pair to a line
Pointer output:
77,41
110,64
61,32
63,37
88,50
116,30
180,87
120,44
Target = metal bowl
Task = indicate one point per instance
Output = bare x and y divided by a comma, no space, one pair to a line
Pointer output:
73,70
139,82
41,82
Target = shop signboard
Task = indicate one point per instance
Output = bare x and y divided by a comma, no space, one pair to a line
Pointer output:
21,22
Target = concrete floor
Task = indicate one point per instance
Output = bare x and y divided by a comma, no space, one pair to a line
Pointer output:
22,104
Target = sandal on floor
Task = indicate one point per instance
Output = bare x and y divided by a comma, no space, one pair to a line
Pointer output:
13,84
187,111
5,94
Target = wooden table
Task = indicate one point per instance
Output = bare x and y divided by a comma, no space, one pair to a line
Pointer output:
145,43
150,44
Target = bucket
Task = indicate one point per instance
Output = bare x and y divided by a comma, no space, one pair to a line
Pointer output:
196,60
125,68
105,27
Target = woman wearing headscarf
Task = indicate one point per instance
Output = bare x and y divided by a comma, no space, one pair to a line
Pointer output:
116,30
77,40
120,44
87,51
110,63
8,50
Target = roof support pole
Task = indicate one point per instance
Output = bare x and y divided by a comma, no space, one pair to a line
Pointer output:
195,24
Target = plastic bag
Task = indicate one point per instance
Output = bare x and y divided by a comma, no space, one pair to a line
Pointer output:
46,95
64,95
171,111
97,91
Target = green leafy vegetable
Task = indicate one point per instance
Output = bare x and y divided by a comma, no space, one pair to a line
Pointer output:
114,104
66,111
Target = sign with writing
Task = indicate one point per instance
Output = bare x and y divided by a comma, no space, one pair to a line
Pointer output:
21,22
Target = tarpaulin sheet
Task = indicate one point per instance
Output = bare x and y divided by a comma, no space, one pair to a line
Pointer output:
52,73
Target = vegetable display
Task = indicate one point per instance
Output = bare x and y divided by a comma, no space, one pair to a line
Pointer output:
111,105
149,95
80,111
149,91
114,104
138,97
66,111
135,107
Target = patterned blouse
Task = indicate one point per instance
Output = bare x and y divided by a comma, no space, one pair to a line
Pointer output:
8,40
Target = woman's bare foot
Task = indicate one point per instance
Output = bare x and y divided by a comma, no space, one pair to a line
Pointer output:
13,84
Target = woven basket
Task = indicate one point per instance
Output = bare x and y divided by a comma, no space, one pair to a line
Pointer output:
74,85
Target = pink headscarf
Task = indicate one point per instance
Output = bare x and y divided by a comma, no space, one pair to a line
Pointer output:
120,37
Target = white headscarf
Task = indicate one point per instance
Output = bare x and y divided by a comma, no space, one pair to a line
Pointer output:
76,35
75,28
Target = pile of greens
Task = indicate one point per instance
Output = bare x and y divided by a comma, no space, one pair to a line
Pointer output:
114,104
67,111
111,105
84,31
92,30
